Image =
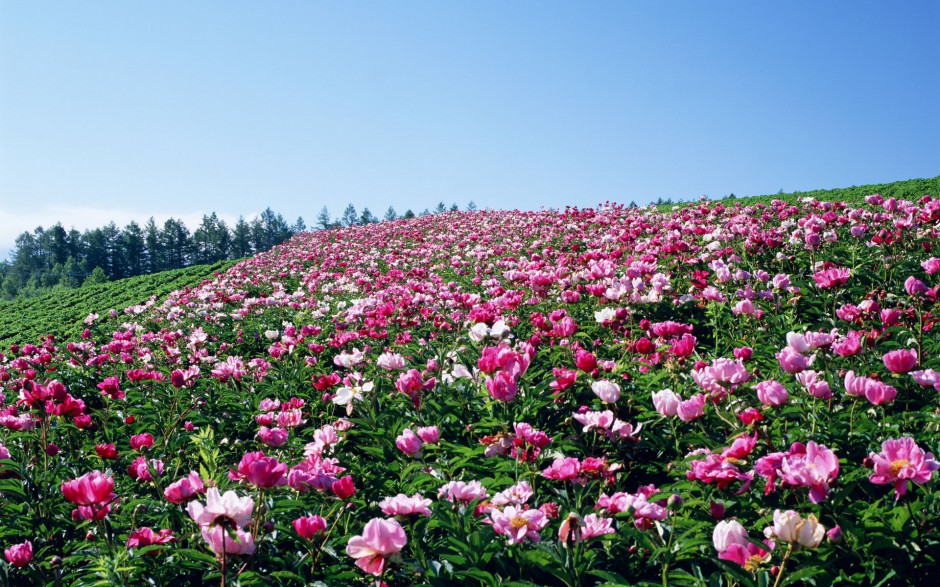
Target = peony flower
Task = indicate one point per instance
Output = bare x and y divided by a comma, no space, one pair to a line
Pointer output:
666,402
429,434
260,471
381,541
517,524
141,441
146,536
91,489
403,505
182,490
772,393
223,540
790,527
900,361
692,408
408,442
309,526
728,532
227,509
608,391
900,461
349,394
19,555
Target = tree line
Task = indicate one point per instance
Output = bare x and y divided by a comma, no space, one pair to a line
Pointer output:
55,257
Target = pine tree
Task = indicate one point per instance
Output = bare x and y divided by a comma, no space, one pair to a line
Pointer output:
471,206
367,217
350,217
323,219
390,214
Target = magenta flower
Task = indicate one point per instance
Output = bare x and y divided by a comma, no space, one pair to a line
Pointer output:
518,524
260,471
19,555
900,361
141,441
309,526
462,492
900,461
429,434
832,277
146,536
381,541
181,491
91,489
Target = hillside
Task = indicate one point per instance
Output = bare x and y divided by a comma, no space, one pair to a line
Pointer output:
608,396
61,311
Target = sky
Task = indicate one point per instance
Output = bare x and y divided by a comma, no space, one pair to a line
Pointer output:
118,111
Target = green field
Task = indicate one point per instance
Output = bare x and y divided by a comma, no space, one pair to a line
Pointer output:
61,311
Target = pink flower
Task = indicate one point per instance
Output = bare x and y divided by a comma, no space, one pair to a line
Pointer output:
142,466
814,383
585,361
408,442
461,492
914,287
815,468
182,490
900,461
608,391
772,393
19,555
563,469
309,526
223,540
429,434
273,437
517,524
261,471
380,542
403,505
146,536
832,277
873,390
931,265
91,489
728,532
791,361
502,386
141,441
666,402
692,408
516,495
343,488
900,361
221,508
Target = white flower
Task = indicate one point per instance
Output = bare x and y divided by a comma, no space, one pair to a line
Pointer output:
346,396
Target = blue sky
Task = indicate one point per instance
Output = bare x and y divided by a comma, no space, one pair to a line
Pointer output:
123,110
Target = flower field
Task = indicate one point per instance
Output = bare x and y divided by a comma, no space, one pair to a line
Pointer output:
722,394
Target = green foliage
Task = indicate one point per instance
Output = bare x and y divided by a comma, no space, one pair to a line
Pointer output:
60,312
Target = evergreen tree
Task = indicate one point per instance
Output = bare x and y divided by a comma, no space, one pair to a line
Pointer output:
390,214
298,226
440,208
409,214
350,218
471,206
454,207
176,242
241,239
367,217
153,247
134,247
323,219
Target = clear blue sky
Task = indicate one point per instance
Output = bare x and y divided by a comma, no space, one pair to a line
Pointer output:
120,110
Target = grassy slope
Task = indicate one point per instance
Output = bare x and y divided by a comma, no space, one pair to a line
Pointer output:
61,312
